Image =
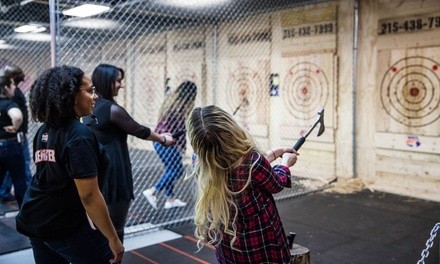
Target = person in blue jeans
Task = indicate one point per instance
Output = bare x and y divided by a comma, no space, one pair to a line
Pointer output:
14,93
172,116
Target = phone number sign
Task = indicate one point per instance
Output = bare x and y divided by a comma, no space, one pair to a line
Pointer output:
409,24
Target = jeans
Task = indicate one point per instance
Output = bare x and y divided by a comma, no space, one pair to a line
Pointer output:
12,160
6,184
173,162
87,246
118,213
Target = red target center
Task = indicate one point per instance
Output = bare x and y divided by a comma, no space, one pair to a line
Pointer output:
304,90
414,91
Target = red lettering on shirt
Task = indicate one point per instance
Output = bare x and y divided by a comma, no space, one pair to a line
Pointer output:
45,155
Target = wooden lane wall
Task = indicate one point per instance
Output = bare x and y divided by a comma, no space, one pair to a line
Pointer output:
243,73
304,55
147,83
399,117
162,62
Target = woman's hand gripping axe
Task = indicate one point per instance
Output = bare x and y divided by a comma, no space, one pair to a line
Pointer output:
320,121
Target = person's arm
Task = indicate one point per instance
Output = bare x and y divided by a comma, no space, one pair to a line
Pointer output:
275,178
122,119
17,119
96,209
275,153
165,139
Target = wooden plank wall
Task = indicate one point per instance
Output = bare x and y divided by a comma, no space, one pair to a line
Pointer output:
391,115
399,97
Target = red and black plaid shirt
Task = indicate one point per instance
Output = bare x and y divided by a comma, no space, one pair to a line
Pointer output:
260,233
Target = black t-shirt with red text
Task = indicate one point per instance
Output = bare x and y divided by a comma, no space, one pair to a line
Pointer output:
52,208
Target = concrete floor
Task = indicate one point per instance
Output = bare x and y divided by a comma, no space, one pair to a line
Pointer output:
355,228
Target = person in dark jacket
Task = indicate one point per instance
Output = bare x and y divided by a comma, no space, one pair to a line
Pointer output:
11,150
15,94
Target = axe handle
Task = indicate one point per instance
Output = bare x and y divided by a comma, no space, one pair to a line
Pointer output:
178,134
299,143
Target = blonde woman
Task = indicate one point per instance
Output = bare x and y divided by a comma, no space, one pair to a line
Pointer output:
235,209
172,116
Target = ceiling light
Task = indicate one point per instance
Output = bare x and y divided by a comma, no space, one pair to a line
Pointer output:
91,23
194,3
5,46
30,28
25,2
86,10
34,37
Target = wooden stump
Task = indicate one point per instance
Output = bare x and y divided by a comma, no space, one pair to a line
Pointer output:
299,255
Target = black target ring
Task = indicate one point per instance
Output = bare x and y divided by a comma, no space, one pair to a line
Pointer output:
410,91
306,90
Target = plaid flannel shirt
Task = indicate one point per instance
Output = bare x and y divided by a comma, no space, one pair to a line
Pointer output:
260,233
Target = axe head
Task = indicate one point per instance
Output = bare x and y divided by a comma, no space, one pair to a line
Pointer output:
320,121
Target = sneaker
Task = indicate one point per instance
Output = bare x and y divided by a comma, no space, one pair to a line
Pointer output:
151,198
174,203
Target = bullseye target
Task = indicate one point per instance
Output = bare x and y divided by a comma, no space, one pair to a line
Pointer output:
186,75
243,92
305,90
410,92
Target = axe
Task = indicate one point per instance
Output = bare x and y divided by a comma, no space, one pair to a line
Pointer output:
320,121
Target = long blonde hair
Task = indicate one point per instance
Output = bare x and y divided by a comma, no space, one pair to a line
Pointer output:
220,144
181,99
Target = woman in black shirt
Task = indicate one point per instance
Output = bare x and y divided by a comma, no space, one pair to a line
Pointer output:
63,206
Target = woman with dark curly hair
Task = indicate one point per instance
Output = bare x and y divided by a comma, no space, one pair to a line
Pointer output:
63,203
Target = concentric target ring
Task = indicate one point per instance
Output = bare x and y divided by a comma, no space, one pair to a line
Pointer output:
243,92
410,92
305,90
185,75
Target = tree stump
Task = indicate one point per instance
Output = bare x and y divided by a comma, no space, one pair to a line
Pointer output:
299,255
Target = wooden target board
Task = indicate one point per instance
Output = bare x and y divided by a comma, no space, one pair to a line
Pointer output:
149,79
409,91
185,59
305,89
244,91
307,85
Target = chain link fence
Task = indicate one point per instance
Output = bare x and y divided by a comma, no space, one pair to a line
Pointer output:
272,64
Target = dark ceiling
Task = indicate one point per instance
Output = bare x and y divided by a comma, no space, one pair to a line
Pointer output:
14,13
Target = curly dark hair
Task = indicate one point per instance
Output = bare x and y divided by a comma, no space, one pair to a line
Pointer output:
103,77
52,96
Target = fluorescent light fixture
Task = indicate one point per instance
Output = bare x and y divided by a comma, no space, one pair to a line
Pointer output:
33,37
194,3
5,46
86,10
34,28
91,23
25,2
